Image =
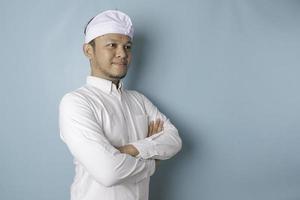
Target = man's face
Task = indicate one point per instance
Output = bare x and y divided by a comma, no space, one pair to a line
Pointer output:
111,56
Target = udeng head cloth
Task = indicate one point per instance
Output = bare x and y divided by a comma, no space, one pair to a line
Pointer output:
110,21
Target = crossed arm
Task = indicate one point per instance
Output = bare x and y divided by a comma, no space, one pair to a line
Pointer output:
111,165
92,150
153,128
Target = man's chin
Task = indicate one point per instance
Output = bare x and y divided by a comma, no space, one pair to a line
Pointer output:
118,77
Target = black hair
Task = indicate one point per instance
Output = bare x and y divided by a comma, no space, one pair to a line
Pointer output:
92,42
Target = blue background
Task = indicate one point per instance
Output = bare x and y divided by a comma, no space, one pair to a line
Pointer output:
225,72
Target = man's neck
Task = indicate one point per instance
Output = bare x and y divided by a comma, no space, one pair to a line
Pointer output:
115,82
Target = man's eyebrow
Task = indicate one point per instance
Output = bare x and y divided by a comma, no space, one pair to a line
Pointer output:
117,41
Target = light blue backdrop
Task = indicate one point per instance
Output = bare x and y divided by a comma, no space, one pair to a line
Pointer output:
225,72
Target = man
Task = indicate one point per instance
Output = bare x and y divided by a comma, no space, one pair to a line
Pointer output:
115,135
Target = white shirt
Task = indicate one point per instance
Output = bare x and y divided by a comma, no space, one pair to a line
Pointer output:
98,117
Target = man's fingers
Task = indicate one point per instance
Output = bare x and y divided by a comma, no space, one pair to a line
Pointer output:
150,129
157,162
156,125
160,126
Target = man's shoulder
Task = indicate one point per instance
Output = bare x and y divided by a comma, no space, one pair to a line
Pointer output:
77,95
135,94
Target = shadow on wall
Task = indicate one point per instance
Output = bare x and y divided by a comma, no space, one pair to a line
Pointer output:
139,58
165,180
162,185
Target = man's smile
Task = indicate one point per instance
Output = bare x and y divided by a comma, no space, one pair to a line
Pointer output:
122,64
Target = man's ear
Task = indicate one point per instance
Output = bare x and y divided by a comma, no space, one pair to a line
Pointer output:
88,50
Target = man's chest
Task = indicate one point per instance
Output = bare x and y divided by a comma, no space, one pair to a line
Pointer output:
123,120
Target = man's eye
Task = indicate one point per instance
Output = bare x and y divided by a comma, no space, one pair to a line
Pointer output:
128,47
111,45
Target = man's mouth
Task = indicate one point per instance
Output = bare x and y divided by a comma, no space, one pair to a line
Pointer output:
120,64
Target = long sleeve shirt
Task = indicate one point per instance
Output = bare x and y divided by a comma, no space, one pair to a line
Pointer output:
98,117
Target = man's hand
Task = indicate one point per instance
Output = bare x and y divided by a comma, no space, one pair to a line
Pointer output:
128,149
157,163
153,128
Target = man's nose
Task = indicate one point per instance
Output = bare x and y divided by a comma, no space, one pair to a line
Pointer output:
121,52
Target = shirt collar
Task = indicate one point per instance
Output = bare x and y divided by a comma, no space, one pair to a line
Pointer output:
103,84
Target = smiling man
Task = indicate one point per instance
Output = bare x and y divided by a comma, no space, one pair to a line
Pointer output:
116,136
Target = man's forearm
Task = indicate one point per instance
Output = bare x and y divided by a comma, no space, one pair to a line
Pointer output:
153,128
131,150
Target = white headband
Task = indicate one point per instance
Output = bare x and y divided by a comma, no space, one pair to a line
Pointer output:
110,21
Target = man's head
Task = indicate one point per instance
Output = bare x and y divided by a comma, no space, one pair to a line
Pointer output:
108,40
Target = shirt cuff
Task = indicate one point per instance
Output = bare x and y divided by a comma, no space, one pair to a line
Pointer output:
146,148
